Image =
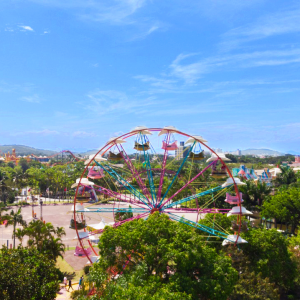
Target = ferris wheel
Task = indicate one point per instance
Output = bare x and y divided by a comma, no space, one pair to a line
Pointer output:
150,170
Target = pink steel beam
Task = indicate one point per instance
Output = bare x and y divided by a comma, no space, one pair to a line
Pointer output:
135,174
188,183
161,180
131,219
120,196
203,210
115,225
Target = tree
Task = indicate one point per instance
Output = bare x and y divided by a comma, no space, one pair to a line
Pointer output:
27,274
14,218
23,163
286,177
268,255
172,256
284,207
120,216
42,237
134,285
252,286
3,186
254,193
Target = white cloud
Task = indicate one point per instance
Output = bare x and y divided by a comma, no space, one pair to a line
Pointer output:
283,22
158,82
110,102
117,12
83,134
32,99
190,72
112,11
26,28
44,132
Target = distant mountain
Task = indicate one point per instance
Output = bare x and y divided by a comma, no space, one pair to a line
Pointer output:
261,152
90,152
25,150
293,152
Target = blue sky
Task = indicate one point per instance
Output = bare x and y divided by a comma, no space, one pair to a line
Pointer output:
76,72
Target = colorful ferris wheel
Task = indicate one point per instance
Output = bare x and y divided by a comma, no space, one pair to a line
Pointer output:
150,170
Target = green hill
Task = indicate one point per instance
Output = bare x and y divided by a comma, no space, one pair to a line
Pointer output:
261,152
25,150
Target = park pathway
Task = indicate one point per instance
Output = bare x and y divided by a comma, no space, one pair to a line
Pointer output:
63,294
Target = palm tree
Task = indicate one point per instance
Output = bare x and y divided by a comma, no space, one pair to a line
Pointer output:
286,177
42,237
14,218
254,193
53,247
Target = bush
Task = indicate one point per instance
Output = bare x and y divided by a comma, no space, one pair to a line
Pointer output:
22,203
76,294
86,269
11,198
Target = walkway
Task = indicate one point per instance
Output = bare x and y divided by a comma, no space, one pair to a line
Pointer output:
63,294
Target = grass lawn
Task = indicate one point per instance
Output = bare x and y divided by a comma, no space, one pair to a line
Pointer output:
68,270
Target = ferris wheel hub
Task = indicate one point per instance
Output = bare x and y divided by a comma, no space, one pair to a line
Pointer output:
154,209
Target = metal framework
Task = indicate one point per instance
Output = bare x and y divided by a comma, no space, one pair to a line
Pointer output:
146,197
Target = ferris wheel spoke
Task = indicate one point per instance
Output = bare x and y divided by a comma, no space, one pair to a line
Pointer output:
188,183
119,196
142,215
176,175
201,227
161,180
124,183
150,178
114,210
135,173
198,210
218,188
150,175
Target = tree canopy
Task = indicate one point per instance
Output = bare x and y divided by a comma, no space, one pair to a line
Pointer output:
44,237
284,206
27,274
169,256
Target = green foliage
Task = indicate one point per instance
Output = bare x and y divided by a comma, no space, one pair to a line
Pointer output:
172,258
23,164
284,207
286,177
218,221
42,237
254,193
120,216
267,252
27,274
252,286
86,269
79,294
14,218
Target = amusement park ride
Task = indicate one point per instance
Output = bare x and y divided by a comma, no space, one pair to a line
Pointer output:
61,157
140,191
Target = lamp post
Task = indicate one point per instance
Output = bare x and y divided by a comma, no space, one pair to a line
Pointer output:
41,208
